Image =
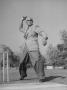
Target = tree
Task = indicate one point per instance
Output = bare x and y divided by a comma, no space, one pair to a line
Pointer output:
63,46
64,36
54,56
13,59
50,53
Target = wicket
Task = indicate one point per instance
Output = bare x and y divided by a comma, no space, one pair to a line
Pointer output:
4,66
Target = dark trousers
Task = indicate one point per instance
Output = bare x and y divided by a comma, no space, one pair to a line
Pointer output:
37,62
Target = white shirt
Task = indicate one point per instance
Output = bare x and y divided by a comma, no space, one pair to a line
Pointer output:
35,38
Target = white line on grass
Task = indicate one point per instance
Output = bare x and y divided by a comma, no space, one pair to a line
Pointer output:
33,86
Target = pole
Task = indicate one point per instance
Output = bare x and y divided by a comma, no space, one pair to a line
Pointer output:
7,68
3,67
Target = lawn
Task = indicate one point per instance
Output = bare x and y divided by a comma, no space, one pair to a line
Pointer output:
52,75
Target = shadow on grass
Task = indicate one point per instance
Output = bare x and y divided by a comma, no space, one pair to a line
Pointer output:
27,80
50,78
45,80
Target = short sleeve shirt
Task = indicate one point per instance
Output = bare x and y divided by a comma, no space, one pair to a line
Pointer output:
35,38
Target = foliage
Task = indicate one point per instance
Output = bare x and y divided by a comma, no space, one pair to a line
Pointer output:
13,59
55,56
58,55
64,36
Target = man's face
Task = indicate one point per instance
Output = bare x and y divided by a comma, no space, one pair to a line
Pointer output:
29,22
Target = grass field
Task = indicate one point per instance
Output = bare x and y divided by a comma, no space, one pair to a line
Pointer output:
55,75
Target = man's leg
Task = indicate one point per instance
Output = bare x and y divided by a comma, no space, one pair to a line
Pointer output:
38,64
23,66
22,71
39,68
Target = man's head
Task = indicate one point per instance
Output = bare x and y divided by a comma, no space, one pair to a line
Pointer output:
29,21
26,22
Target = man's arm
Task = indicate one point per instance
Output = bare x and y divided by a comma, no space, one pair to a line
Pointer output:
41,35
41,32
23,32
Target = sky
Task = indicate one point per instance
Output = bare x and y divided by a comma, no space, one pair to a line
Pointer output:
50,15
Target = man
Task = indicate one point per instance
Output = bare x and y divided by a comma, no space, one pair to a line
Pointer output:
34,38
